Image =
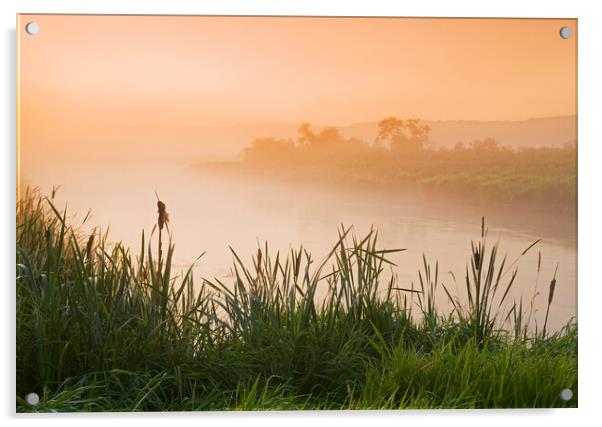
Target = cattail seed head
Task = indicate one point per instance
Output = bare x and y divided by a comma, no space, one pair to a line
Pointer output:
163,215
54,190
477,257
552,287
90,246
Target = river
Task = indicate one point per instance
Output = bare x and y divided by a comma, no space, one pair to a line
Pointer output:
211,212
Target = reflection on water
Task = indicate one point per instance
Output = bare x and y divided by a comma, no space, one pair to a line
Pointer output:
210,213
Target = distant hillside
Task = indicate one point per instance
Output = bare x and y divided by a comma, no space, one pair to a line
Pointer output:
186,144
533,132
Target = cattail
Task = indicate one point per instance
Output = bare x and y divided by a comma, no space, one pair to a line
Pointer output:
54,190
162,221
551,295
258,258
550,298
477,258
90,246
163,215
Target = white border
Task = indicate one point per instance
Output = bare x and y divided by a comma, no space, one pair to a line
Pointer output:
590,288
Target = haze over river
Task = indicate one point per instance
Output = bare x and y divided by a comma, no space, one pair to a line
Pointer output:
211,212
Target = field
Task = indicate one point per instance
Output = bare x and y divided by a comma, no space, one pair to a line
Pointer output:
103,328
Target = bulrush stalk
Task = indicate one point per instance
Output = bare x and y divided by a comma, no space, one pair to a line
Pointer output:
90,247
162,221
550,299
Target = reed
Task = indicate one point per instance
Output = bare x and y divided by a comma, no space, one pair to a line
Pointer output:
162,222
90,247
550,299
289,331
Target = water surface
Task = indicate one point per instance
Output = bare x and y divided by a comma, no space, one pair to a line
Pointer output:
209,213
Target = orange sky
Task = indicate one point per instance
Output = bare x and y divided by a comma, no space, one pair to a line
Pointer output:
94,72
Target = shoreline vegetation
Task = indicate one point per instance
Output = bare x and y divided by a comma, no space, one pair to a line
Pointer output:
102,329
401,159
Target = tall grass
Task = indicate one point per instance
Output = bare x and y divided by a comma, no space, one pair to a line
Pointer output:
98,329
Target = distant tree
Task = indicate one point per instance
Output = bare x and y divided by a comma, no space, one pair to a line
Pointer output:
326,137
419,133
487,145
269,149
306,136
460,147
402,136
388,130
329,135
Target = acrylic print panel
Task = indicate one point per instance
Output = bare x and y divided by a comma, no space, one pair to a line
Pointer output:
221,213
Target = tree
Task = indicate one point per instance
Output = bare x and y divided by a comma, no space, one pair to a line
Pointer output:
328,136
487,145
306,136
388,130
419,133
269,149
402,136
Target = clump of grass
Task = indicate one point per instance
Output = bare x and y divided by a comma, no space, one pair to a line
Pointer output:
487,289
287,332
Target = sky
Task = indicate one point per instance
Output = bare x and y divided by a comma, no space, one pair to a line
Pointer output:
102,71
98,90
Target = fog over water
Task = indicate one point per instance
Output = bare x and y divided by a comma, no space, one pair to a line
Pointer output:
211,212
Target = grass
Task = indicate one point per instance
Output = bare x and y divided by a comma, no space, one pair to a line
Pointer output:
102,329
